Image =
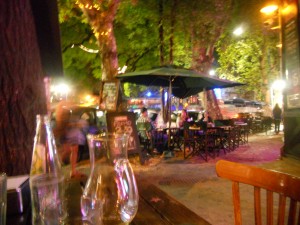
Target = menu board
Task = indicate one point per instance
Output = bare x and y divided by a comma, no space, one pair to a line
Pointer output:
124,122
291,56
109,95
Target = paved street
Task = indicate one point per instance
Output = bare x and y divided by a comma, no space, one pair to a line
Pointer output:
194,182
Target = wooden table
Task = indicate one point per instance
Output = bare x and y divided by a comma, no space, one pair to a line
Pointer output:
226,127
194,128
155,207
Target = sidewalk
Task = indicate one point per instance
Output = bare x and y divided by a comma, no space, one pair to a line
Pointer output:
194,182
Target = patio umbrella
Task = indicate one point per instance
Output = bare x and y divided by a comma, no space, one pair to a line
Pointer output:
181,83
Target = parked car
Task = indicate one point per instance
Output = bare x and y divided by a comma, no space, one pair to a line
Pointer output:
240,102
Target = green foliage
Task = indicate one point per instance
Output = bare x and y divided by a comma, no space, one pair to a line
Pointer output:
248,59
137,35
80,67
251,58
240,61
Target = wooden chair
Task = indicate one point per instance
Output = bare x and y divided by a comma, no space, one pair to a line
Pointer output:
175,138
194,144
213,141
230,139
144,133
286,186
160,139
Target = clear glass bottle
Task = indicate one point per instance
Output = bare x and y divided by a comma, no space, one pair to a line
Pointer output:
110,195
46,177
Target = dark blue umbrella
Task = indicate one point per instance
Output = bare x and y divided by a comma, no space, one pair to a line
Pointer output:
183,82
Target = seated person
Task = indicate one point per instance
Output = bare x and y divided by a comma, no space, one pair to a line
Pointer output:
182,122
182,119
144,126
206,118
205,121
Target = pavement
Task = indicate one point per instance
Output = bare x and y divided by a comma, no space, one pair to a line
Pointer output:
194,182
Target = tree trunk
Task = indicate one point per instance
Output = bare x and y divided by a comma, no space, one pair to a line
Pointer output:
21,86
161,32
101,16
202,57
109,56
265,92
173,20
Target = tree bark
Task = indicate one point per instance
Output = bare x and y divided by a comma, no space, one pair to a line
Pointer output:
161,32
266,97
21,86
101,15
173,21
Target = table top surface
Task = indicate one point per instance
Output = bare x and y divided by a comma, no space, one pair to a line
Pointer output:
155,207
194,128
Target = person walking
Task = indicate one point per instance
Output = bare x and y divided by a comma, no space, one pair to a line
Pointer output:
277,117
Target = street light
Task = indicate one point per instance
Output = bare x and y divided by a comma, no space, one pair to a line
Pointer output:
269,9
212,72
276,90
61,90
275,11
272,11
238,31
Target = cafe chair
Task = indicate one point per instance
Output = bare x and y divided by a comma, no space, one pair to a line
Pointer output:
244,134
144,135
239,135
176,138
231,138
160,139
194,144
285,186
213,141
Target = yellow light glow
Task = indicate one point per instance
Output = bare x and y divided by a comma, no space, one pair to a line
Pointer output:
287,10
269,9
88,97
275,28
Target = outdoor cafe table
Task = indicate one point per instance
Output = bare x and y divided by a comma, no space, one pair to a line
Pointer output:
155,207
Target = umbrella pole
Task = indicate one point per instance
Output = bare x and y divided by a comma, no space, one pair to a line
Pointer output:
168,153
205,99
170,108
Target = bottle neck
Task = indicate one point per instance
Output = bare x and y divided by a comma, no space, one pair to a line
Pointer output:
45,158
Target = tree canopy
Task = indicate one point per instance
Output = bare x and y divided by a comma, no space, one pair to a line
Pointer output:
183,33
252,57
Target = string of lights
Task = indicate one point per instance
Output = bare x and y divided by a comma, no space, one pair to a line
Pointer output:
89,50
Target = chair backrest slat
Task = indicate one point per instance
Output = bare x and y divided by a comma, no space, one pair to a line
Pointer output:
236,203
292,212
281,209
270,219
285,185
298,217
257,207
